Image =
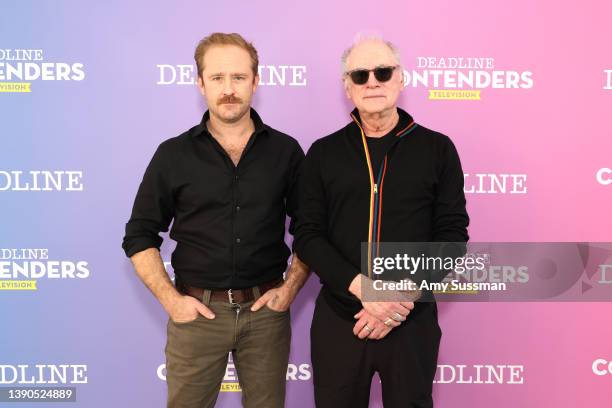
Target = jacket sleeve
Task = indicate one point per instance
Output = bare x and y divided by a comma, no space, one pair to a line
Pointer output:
450,218
153,207
311,241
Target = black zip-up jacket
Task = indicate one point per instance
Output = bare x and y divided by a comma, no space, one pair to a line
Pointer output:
415,196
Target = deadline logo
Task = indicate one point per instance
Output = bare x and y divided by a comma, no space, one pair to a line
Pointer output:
494,183
41,180
39,374
20,67
483,374
20,268
462,78
269,75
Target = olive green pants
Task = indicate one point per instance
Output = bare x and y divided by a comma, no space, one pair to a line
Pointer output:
197,354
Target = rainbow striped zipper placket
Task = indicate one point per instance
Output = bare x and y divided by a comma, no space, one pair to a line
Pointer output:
376,190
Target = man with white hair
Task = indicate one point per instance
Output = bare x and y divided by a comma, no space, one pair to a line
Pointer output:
380,178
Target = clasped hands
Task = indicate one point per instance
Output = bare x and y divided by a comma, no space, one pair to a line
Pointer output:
376,319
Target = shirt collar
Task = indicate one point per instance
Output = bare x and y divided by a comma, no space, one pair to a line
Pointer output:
404,118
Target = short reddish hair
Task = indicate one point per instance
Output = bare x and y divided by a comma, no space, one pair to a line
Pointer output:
224,39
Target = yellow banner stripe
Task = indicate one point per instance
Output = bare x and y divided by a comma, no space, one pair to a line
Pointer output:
15,87
230,387
454,94
18,285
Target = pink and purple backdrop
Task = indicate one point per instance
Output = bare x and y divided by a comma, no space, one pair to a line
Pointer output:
554,134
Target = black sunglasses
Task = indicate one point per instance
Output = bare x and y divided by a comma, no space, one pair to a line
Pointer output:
361,76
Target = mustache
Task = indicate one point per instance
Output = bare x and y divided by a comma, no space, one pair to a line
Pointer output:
229,99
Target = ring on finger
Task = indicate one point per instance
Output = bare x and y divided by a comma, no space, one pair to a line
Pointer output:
397,317
388,321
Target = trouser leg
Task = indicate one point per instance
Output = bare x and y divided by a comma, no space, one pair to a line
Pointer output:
261,356
196,358
407,359
342,371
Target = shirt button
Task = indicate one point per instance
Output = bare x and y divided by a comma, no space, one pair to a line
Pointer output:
237,208
237,240
236,177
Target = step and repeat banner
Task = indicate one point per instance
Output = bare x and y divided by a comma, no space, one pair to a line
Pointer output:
88,90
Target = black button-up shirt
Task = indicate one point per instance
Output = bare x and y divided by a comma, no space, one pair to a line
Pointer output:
229,221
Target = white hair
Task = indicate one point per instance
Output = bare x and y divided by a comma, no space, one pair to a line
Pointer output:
364,37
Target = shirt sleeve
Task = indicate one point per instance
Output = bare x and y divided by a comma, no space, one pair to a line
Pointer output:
153,207
311,242
292,192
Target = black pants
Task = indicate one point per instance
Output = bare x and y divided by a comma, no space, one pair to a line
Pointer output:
343,365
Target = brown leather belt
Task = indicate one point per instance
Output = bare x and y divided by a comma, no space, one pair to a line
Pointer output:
231,295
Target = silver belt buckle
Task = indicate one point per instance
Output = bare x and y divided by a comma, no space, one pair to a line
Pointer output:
230,296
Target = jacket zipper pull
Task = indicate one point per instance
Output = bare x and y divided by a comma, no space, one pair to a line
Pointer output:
375,188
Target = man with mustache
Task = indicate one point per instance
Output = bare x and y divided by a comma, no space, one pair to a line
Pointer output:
382,177
228,184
